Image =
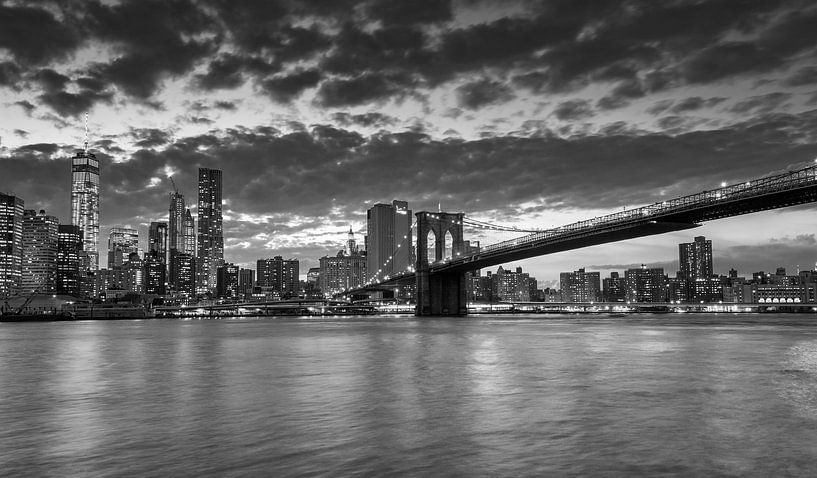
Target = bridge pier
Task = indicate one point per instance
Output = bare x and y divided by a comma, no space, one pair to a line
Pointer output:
441,294
439,239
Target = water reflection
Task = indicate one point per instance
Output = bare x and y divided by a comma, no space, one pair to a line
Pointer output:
687,395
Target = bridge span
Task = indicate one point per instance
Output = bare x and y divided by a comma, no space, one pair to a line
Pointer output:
440,279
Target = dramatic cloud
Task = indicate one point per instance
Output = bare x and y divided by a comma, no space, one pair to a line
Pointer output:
315,109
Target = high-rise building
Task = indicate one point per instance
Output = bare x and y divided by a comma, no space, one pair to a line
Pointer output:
387,227
11,244
176,221
184,267
645,285
696,277
279,276
157,240
188,239
341,272
155,274
695,259
227,281
122,242
85,204
40,239
69,251
614,288
510,285
580,286
210,237
246,281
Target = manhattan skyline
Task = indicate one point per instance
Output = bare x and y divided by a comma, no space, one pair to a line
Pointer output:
534,115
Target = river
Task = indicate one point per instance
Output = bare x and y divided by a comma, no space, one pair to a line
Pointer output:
670,394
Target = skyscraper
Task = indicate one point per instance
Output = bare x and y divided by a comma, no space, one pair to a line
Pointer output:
188,239
69,250
210,237
388,226
40,238
695,259
176,221
696,275
85,203
157,241
11,244
122,242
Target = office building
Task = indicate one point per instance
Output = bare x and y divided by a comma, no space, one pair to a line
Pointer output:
40,242
227,281
344,271
511,286
246,281
158,240
645,284
695,259
122,242
210,235
11,244
278,276
341,272
388,226
614,288
184,267
155,273
85,204
69,255
580,286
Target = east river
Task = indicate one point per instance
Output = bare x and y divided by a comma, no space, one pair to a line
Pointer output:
539,395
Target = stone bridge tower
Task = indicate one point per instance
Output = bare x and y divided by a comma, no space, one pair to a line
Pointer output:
439,238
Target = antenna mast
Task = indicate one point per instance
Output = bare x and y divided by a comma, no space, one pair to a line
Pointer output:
86,131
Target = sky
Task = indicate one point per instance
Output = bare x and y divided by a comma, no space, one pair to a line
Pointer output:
522,113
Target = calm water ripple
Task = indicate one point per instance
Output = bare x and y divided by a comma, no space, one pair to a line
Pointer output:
686,394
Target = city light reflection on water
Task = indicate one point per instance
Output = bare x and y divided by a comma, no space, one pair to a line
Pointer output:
681,394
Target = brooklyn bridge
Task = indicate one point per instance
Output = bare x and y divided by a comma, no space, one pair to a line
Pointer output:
444,256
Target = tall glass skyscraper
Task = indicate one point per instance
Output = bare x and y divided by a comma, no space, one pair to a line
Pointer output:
40,241
85,203
211,235
11,244
387,226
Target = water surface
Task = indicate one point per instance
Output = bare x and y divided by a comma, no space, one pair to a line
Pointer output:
480,396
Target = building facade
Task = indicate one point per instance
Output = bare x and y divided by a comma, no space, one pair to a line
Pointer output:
158,240
85,204
580,286
278,276
341,272
387,227
122,242
69,254
227,281
40,243
210,235
645,284
11,244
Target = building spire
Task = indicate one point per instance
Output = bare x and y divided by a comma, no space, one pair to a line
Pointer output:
86,131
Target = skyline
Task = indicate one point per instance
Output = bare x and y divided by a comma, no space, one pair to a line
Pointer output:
533,116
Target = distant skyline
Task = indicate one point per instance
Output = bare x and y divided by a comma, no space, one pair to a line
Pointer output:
524,113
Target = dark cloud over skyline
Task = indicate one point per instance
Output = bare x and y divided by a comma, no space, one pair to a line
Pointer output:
316,110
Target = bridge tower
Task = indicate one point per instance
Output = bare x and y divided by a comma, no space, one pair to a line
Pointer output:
439,237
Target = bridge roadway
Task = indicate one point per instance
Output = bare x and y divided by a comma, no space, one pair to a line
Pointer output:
772,192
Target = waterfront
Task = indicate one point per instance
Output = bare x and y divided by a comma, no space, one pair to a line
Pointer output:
683,394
